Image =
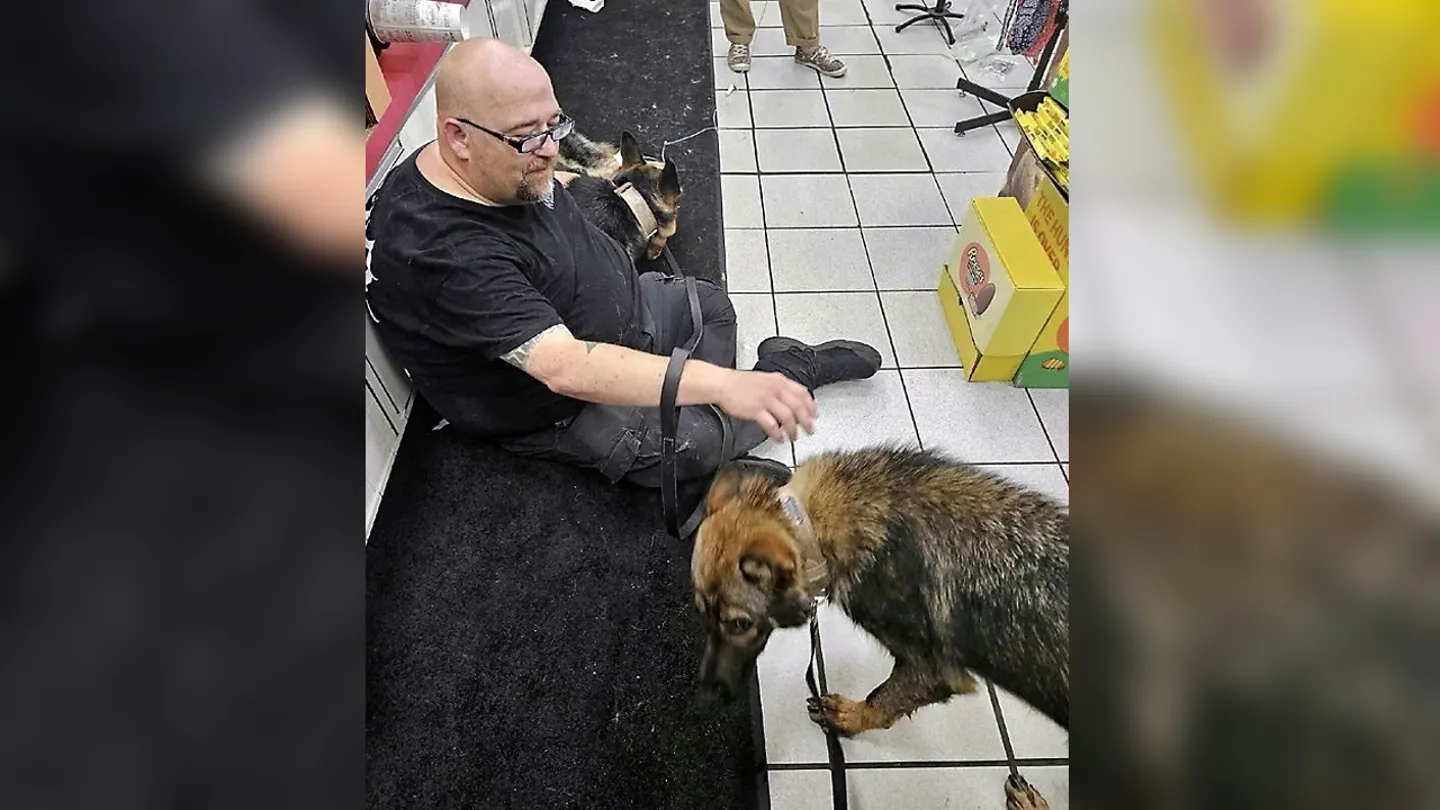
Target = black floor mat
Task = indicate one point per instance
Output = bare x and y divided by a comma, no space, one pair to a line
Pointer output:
531,644
530,636
645,66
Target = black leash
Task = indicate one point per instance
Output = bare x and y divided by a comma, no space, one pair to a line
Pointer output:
838,791
670,416
670,420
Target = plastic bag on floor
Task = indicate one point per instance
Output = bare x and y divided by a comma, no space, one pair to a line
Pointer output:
995,67
975,39
588,5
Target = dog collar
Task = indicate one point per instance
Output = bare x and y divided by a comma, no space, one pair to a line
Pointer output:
817,571
639,208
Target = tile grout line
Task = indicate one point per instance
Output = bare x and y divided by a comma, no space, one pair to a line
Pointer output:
869,262
859,229
762,763
904,387
885,172
765,224
764,227
950,228
917,764
934,175
1044,429
763,789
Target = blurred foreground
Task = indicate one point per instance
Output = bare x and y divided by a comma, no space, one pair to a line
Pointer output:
180,248
1256,408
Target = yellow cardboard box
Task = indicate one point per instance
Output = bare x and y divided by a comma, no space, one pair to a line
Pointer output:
997,289
1048,363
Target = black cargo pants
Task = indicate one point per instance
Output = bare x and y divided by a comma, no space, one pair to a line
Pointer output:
624,442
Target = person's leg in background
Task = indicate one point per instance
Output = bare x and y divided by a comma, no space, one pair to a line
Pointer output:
801,19
739,24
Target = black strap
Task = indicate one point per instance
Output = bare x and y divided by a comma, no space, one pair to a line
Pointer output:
670,419
838,794
670,416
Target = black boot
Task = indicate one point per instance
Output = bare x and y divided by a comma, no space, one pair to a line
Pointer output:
814,366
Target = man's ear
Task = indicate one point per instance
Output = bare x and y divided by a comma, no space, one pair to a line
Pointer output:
724,488
630,155
455,137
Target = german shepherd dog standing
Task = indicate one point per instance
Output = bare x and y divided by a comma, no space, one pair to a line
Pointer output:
953,569
603,169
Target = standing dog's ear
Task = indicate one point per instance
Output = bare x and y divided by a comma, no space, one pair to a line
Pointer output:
766,570
769,560
724,488
670,184
772,566
630,154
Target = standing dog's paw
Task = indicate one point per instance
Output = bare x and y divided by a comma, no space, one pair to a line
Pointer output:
845,716
1020,796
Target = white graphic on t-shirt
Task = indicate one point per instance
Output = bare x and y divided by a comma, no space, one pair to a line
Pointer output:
369,251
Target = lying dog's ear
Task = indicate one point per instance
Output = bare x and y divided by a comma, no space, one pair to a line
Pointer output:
670,184
630,155
724,488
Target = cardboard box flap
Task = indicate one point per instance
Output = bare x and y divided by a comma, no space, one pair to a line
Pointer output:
1024,259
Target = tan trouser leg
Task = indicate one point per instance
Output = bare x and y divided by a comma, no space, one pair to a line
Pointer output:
802,22
739,22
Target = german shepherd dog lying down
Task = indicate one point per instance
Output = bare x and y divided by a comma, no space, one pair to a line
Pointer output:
955,570
604,169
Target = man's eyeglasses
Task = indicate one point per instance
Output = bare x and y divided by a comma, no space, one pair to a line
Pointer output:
530,143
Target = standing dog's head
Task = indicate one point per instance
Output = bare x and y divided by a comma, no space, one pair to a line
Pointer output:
658,183
746,570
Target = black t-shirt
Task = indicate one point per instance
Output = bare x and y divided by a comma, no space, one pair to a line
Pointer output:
456,284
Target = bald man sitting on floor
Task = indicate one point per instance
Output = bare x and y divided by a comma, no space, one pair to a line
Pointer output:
519,321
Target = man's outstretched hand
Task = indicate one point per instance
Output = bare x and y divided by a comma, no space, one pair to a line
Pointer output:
777,403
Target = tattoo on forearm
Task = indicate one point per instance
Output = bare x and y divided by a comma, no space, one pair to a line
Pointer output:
520,355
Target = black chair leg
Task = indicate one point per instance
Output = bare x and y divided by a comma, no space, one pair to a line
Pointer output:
907,23
938,12
982,91
986,120
949,34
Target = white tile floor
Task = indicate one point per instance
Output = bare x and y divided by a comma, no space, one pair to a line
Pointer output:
841,200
